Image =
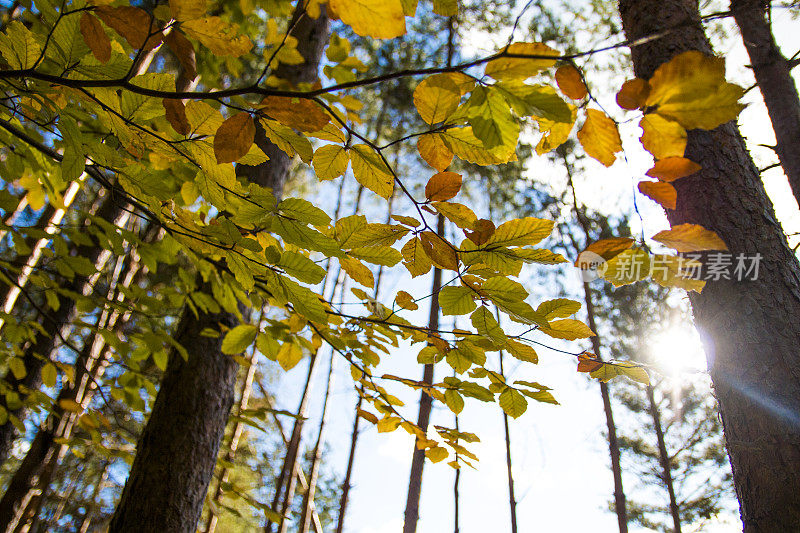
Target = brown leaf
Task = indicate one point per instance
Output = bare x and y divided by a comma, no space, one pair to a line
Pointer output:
184,51
443,186
234,138
298,113
673,168
608,248
433,150
570,82
441,253
95,37
633,94
588,362
176,115
690,238
484,229
132,23
660,192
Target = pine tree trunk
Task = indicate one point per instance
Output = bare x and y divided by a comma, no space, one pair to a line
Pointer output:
750,328
176,454
664,460
773,74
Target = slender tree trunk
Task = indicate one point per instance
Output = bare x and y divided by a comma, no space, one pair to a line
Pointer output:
425,404
456,486
664,460
749,328
347,483
87,518
512,500
773,74
57,325
178,449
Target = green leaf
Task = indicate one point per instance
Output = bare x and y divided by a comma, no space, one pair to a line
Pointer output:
454,401
301,267
456,300
487,326
19,46
239,339
521,232
304,211
371,171
513,402
74,158
558,308
491,120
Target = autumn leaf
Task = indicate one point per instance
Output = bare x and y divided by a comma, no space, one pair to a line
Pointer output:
660,192
464,144
440,251
522,232
132,23
182,10
95,37
520,68
673,168
607,248
513,402
627,267
330,161
691,89
484,229
221,37
633,94
381,19
176,115
371,171
434,151
298,113
443,186
599,137
436,98
357,271
415,259
406,301
568,329
234,138
661,137
588,362
690,238
239,339
184,51
570,82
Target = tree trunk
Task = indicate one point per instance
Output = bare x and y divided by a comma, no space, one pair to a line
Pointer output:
773,74
750,328
512,500
176,454
57,325
346,483
425,403
664,460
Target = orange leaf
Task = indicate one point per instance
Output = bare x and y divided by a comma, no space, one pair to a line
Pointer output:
607,248
132,23
690,238
298,113
433,150
176,115
633,93
660,192
441,253
184,51
95,37
599,136
484,229
570,82
234,138
588,362
672,168
443,186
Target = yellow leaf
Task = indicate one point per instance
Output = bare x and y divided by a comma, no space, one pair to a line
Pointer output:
70,405
299,113
609,370
691,89
599,137
443,186
627,267
436,98
520,68
95,37
607,248
132,23
381,19
19,45
568,329
357,271
433,150
633,94
406,301
371,171
330,161
182,10
176,115
234,138
289,354
678,272
459,214
690,238
440,251
521,232
463,143
555,133
287,139
220,37
388,424
661,137
673,168
660,192
570,82
416,260
436,454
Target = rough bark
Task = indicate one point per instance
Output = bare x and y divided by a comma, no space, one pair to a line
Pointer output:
749,328
57,325
664,460
176,454
773,74
411,515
